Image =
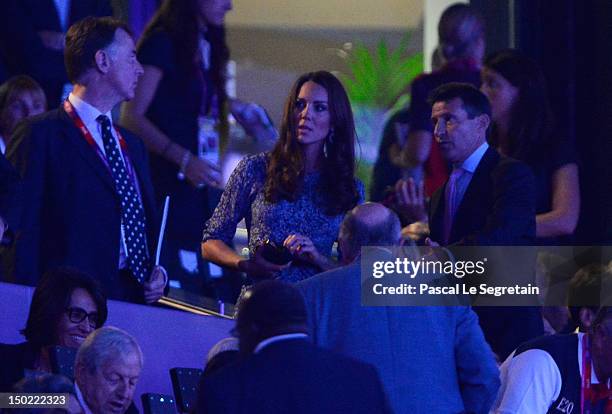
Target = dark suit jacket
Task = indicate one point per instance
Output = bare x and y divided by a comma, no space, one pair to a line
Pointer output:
293,376
498,209
14,360
8,188
70,211
23,19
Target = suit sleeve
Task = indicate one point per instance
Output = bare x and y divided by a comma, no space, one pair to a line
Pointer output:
43,64
27,151
476,367
512,218
310,292
235,201
141,161
8,190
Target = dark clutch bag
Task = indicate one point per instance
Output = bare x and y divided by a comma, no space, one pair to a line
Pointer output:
279,255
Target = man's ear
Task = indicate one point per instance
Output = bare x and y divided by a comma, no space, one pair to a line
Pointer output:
587,316
484,121
102,60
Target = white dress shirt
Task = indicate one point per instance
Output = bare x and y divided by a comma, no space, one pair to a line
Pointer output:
531,382
469,167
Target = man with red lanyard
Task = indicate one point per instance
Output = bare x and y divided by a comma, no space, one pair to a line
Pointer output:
87,199
560,373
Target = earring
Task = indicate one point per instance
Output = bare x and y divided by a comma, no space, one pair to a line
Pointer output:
328,141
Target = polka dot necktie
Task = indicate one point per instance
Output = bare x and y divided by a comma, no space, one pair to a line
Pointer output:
132,212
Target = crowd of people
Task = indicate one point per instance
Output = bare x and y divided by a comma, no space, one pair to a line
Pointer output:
477,159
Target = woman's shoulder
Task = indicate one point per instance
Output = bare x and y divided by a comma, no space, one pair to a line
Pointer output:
254,162
250,169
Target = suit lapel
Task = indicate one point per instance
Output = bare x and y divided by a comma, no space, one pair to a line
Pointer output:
146,191
75,138
133,153
475,194
436,209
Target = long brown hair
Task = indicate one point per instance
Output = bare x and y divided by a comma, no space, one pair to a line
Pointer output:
285,173
532,119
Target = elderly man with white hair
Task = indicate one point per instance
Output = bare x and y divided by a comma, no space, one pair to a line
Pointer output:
107,368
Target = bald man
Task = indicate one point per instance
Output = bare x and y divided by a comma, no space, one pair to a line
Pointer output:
430,359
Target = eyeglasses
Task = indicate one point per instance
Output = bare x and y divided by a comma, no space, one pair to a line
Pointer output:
78,315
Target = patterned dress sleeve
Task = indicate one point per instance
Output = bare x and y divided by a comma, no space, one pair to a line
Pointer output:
236,199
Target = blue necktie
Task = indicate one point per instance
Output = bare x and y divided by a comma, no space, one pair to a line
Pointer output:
132,212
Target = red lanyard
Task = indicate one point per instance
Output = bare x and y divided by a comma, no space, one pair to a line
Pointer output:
588,392
585,403
78,122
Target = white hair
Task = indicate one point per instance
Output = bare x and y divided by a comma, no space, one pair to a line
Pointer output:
105,344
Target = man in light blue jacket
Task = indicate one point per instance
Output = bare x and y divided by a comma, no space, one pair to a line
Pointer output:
430,359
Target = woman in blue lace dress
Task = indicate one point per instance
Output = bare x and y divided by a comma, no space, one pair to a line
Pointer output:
296,195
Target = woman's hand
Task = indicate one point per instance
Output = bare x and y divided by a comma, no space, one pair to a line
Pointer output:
202,172
254,119
257,267
302,248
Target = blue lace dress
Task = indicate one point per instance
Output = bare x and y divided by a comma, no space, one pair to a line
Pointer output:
244,198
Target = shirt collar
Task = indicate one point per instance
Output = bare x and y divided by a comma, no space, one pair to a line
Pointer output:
81,399
88,113
278,338
473,160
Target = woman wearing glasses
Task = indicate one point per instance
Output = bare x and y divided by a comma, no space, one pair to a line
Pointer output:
66,307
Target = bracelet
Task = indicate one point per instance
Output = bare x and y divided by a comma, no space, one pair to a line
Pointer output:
184,162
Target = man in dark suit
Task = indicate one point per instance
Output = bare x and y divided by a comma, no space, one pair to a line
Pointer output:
8,186
37,29
86,198
282,372
430,359
488,200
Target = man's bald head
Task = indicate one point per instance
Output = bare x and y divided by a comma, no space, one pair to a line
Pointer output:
369,224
